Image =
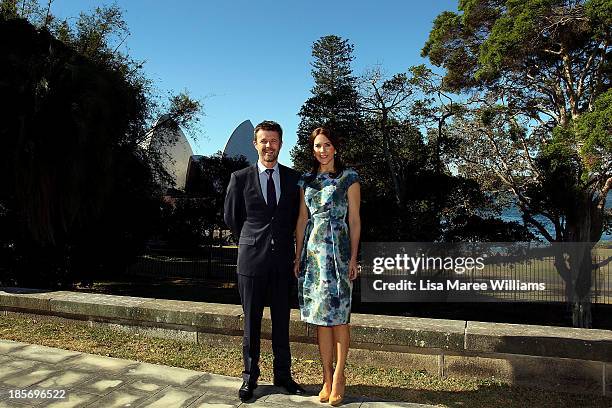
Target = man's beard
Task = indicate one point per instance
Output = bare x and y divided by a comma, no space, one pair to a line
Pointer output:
270,157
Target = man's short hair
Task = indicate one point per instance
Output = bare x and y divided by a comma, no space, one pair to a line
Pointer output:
269,125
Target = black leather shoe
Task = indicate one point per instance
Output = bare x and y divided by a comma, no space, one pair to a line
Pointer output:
290,386
246,391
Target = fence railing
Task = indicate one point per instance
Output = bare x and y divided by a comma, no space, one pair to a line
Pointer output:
218,263
208,263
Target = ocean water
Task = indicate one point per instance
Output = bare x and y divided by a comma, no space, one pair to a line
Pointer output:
514,214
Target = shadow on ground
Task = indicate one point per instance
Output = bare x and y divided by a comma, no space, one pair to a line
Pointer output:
493,396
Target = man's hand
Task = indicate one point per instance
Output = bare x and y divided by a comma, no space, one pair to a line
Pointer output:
296,268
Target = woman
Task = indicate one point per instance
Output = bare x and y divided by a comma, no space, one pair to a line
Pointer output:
326,257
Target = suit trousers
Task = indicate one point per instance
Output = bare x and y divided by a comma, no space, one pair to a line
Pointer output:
253,294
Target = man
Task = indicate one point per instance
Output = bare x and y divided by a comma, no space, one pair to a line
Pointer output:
261,208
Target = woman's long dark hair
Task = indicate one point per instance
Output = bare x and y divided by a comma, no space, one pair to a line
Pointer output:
338,164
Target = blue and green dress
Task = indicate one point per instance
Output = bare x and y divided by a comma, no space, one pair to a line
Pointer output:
324,288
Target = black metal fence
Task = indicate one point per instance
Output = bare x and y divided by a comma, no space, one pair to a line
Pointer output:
218,263
602,283
543,271
207,263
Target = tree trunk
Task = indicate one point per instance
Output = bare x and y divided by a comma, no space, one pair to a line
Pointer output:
578,251
581,313
574,263
386,134
581,302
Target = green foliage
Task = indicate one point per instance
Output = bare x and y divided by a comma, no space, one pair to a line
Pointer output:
93,31
406,195
445,25
600,13
489,39
189,219
184,107
28,9
80,195
331,67
334,101
586,140
8,9
447,47
594,132
382,217
538,72
76,184
512,34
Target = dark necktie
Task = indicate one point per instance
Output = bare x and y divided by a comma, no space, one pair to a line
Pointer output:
271,193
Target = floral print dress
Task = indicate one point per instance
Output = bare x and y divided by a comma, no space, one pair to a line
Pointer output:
324,288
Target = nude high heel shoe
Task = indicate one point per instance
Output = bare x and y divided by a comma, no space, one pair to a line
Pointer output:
324,394
336,399
325,390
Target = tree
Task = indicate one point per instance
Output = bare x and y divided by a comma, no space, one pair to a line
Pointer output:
337,104
333,104
384,219
205,189
386,102
79,193
538,73
433,109
431,204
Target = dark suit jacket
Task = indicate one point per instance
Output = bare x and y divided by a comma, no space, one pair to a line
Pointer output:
248,217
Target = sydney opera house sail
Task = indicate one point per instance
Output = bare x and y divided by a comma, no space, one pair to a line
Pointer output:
170,142
241,142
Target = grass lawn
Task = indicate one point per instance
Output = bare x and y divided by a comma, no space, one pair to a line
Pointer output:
411,386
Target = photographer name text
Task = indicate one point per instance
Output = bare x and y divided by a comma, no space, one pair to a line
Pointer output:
458,285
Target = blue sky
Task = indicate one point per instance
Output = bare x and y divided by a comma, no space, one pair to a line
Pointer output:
251,60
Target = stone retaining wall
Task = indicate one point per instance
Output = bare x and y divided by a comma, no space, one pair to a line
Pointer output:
572,359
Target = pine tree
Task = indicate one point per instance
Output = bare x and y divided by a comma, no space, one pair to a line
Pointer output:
334,101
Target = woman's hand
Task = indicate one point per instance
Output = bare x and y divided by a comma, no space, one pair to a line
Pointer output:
353,269
296,268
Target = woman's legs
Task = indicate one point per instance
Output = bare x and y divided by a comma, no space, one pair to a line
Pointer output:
325,337
342,338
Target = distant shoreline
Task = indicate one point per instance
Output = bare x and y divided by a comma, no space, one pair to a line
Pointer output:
514,214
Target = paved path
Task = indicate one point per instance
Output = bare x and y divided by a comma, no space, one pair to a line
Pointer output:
90,380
